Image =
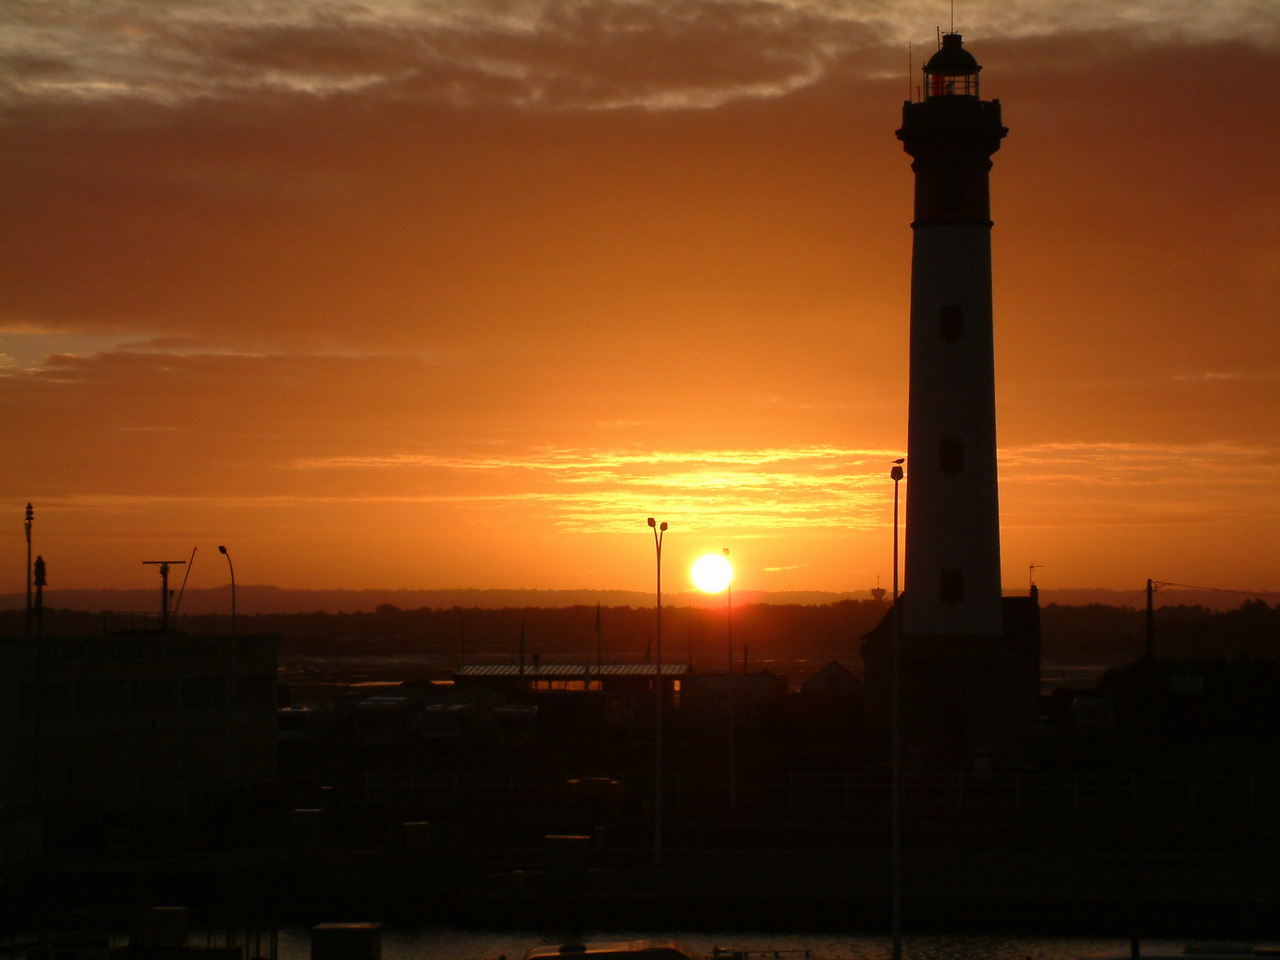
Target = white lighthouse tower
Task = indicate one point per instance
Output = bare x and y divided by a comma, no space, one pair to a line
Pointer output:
953,524
969,658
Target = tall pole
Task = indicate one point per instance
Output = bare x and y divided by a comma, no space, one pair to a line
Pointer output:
164,587
231,568
733,768
37,733
601,706
658,530
30,515
895,714
230,751
164,596
1151,620
39,604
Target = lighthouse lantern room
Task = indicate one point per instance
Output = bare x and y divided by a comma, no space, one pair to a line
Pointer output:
952,71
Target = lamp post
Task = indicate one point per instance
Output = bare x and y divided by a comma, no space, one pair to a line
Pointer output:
728,620
27,525
39,604
230,567
658,530
895,726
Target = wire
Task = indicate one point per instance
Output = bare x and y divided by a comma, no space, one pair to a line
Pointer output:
1133,598
1157,584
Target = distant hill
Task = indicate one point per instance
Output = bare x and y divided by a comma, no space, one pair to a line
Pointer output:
251,599
1165,597
254,599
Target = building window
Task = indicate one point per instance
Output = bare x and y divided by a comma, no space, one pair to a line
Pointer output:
951,455
951,586
951,322
544,685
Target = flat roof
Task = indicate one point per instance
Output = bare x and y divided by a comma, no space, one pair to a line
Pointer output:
563,671
610,950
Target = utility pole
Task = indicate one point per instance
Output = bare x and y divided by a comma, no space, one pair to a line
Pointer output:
39,604
1151,620
164,588
30,516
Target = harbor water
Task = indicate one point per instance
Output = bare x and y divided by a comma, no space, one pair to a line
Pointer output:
441,943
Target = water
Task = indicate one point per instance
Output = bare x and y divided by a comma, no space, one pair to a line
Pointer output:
448,944
443,943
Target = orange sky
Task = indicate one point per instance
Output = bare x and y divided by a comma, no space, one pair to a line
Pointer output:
456,295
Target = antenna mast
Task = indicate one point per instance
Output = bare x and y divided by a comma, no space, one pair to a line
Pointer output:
164,588
183,589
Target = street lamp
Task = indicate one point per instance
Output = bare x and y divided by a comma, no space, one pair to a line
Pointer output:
711,574
658,530
223,550
728,625
895,723
30,516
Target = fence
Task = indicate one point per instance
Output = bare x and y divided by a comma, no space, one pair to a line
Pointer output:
1029,796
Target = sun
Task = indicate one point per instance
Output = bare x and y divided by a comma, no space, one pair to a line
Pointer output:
711,572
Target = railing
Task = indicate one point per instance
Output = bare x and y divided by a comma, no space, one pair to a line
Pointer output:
1053,798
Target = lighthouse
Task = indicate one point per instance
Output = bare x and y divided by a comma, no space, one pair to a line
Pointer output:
952,573
969,657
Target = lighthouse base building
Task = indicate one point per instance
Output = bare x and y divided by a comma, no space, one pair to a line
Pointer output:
959,698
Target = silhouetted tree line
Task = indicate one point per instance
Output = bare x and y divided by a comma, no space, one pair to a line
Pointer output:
1081,634
1118,635
625,634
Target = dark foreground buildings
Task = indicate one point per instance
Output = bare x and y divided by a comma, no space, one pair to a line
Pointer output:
133,728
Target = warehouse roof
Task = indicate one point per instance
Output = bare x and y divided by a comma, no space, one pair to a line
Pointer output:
559,671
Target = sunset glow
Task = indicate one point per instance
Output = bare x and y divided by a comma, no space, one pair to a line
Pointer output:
456,295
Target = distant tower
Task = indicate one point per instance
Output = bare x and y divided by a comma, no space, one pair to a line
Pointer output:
970,660
952,567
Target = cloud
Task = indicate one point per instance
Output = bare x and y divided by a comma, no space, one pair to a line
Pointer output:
597,54
596,491
1120,485
1109,463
